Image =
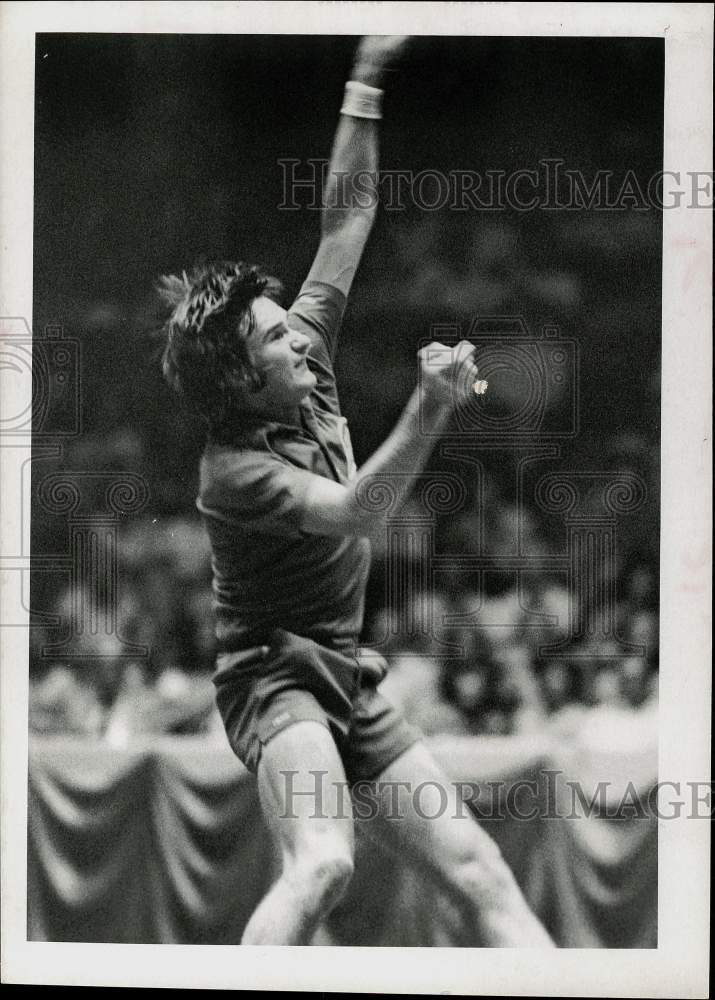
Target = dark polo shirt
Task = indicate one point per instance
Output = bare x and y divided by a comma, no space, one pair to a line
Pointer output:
267,573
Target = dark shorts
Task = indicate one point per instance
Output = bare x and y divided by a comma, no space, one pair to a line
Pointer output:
262,690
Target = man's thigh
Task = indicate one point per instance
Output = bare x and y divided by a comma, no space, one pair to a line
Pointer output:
303,791
418,813
378,735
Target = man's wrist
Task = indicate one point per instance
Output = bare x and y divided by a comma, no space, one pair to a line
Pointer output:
369,73
432,413
362,101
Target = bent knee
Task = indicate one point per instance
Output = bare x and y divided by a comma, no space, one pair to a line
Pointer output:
323,874
334,872
483,877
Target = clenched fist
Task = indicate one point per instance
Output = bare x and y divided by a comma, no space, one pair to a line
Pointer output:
449,375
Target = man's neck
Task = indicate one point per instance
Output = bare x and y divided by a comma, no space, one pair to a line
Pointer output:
276,415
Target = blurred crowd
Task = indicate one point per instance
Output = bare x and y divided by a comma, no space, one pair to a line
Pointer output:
487,653
497,672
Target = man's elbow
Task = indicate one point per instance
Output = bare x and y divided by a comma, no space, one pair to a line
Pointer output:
362,523
344,519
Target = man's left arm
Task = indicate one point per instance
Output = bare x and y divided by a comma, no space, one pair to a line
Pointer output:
350,200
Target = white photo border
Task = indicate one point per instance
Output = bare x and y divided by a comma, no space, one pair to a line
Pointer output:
679,966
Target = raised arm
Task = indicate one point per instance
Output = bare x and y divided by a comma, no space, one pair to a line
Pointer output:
350,197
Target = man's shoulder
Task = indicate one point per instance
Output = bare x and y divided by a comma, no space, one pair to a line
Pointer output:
231,466
318,312
253,488
319,294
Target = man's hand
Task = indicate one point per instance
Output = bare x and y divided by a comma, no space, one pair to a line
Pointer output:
449,375
375,56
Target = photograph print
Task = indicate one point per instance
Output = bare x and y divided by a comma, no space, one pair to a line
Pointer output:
343,476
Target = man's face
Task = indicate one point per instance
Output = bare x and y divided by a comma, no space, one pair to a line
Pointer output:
279,353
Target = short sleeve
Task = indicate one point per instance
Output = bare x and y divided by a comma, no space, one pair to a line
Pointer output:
318,312
255,490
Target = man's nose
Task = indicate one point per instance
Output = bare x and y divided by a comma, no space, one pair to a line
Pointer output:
300,342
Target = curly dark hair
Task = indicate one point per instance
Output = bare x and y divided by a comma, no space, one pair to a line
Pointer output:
206,355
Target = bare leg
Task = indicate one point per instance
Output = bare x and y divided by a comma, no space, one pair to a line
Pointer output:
454,850
314,833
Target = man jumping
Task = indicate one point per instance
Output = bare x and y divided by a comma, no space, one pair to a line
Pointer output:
280,497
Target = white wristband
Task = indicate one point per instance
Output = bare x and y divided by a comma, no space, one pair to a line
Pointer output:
362,101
